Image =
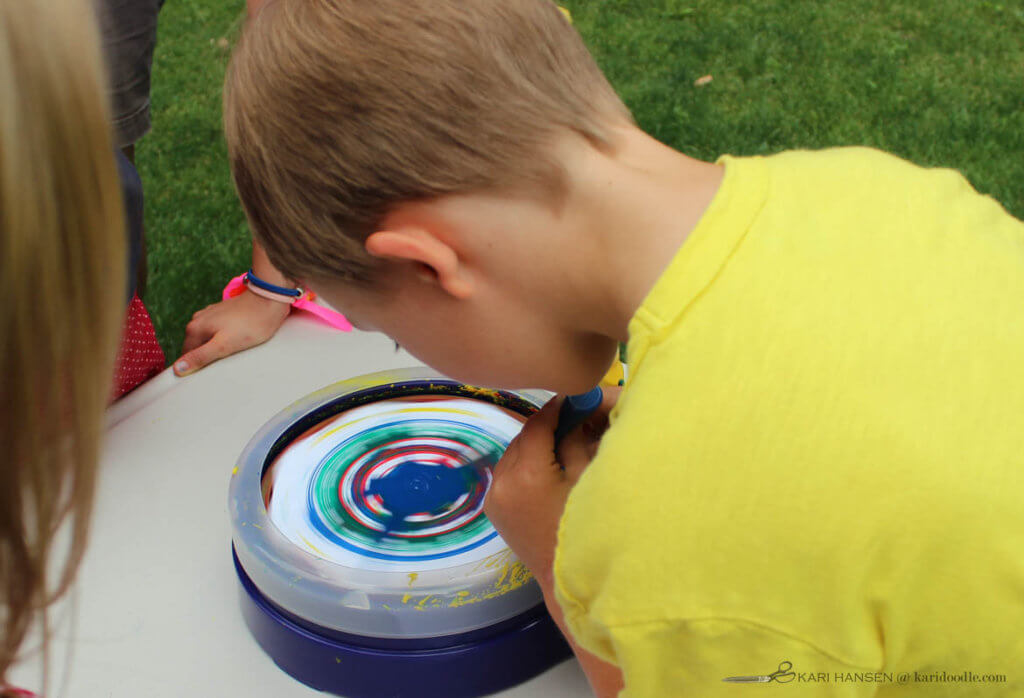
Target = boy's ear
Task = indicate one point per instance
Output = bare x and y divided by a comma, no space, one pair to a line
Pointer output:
433,258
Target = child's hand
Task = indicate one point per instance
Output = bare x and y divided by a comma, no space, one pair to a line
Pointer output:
229,327
530,487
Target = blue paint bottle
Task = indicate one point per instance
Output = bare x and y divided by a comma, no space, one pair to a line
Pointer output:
575,410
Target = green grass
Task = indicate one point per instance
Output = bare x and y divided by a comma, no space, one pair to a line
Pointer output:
939,82
196,231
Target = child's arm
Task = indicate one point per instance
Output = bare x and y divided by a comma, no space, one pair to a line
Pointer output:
525,504
605,679
235,324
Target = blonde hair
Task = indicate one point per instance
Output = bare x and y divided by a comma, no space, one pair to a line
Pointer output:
336,111
62,292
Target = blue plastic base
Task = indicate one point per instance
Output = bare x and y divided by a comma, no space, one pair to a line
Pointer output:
467,666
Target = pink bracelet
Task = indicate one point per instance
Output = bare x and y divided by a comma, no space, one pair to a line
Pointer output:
287,300
306,303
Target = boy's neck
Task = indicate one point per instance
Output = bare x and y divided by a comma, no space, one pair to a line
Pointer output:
630,211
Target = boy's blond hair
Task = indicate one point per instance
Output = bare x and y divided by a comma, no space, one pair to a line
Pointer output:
336,111
62,281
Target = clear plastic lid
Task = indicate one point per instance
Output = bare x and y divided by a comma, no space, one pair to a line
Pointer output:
359,508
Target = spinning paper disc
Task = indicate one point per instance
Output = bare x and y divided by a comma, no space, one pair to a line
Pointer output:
386,485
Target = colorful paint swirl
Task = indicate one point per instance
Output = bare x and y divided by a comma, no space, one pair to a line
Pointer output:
385,485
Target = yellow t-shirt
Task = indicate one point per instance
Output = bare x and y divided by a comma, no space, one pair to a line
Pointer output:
819,454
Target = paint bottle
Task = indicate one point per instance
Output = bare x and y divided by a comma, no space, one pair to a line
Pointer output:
575,410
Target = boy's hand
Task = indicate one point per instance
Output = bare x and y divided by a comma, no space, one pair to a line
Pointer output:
526,501
229,327
530,487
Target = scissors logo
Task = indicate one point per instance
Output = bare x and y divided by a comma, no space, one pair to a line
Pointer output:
781,675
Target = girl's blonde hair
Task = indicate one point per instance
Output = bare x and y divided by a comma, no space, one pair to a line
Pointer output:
62,292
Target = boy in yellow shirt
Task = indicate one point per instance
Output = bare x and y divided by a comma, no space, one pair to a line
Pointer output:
815,471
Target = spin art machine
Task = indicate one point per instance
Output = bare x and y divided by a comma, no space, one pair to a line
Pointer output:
156,604
368,567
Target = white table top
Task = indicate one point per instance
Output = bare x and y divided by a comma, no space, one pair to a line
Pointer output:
157,610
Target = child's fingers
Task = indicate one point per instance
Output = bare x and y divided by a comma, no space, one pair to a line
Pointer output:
539,430
202,356
535,441
579,446
596,420
196,332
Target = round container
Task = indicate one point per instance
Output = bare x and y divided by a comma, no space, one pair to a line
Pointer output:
351,598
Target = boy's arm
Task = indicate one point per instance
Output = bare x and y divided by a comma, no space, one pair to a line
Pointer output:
526,501
605,679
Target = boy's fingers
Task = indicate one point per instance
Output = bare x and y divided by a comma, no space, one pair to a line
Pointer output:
546,418
579,446
535,440
202,356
